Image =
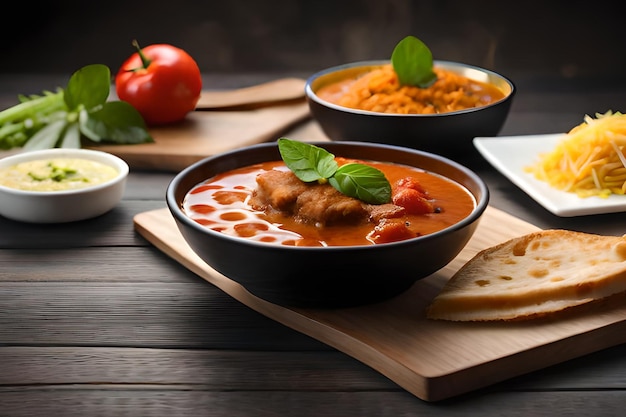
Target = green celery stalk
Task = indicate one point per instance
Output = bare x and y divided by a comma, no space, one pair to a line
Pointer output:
48,103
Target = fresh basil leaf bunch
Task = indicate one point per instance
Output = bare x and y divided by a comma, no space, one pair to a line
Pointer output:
65,117
311,163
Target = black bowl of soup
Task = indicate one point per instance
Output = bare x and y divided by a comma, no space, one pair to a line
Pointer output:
305,245
363,101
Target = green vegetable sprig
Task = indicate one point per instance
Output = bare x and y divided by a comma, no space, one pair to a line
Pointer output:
65,117
413,63
311,163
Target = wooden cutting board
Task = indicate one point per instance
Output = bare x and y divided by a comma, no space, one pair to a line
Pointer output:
433,360
205,133
223,120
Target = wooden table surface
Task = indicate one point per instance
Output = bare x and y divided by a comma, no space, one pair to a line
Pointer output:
95,321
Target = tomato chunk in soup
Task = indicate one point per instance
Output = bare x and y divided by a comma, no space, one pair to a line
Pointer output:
266,202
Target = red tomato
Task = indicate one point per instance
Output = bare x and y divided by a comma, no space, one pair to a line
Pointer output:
413,201
410,182
391,230
161,81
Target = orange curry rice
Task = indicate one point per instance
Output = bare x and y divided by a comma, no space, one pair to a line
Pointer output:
380,91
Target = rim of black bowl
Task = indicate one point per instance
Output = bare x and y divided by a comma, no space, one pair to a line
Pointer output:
481,204
311,94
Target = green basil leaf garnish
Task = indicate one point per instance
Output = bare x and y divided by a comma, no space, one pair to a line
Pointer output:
308,162
363,182
311,163
413,63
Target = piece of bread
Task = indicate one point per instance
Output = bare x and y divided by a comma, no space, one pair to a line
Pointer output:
533,275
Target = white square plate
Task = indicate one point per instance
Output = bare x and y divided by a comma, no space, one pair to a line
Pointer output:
510,154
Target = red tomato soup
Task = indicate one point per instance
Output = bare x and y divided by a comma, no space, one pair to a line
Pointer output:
265,202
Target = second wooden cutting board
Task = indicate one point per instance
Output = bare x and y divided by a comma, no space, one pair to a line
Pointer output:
433,360
205,133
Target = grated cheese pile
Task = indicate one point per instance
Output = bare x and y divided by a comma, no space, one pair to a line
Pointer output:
590,160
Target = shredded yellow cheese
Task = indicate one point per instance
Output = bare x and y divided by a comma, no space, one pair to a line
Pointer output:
590,160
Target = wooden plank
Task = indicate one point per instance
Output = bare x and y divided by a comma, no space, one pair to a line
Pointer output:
221,369
91,265
433,360
186,400
183,314
110,229
236,369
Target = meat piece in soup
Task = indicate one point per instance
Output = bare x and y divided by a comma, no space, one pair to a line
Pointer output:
314,203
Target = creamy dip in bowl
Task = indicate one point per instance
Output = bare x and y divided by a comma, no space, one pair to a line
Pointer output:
60,185
56,174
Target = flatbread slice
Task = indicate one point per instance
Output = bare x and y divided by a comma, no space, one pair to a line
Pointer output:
533,275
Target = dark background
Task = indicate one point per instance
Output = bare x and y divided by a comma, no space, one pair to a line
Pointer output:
566,38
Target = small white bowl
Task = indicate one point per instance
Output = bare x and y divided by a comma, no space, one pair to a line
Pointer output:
63,205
